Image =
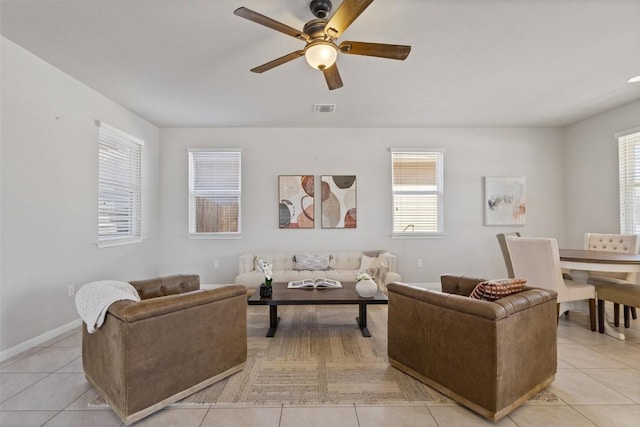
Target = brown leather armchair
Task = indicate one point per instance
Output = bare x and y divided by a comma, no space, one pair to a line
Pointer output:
177,340
489,356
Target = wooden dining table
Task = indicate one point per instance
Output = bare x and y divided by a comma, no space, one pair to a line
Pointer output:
580,261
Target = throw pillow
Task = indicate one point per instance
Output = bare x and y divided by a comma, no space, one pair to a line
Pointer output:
368,262
493,290
312,262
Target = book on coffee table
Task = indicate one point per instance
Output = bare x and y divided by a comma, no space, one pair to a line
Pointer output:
317,283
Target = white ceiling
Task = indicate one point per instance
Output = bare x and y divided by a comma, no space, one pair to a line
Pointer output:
473,62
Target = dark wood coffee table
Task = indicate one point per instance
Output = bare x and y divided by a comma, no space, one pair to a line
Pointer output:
345,295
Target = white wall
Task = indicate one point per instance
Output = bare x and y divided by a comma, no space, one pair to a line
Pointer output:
49,172
469,247
49,195
591,184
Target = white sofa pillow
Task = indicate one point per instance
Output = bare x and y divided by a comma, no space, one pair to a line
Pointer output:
312,262
368,263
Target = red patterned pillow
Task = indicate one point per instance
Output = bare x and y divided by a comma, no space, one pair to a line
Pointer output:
493,290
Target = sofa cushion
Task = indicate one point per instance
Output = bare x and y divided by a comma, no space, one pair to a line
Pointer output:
312,262
493,290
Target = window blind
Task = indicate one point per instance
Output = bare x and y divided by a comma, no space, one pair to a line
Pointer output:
214,192
417,187
119,186
629,170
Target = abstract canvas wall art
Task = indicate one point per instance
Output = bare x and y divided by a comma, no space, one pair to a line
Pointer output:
504,202
339,203
296,195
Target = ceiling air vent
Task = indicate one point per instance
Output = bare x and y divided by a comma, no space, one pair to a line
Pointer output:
324,108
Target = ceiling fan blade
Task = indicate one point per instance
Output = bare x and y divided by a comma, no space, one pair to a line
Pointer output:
249,14
282,60
390,51
332,76
346,13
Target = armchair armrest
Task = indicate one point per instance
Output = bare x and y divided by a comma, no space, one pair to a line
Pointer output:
130,311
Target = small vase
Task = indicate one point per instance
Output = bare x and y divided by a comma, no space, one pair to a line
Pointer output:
366,288
266,291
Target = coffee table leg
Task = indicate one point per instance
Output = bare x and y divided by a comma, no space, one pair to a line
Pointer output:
273,320
362,320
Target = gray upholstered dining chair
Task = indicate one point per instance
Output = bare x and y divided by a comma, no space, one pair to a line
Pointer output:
537,260
502,240
619,288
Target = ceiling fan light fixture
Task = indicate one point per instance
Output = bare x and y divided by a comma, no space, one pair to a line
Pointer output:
321,54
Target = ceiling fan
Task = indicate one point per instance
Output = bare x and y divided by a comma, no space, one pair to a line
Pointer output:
321,34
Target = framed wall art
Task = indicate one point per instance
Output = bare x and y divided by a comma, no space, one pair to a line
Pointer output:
339,204
504,202
296,196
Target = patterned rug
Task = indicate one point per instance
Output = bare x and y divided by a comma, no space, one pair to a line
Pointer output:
318,356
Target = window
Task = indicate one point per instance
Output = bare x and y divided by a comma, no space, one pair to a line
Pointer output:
214,193
629,165
119,187
417,187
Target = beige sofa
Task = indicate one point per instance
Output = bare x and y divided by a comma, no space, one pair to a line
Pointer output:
343,266
489,356
177,340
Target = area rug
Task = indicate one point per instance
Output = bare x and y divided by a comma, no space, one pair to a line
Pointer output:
319,356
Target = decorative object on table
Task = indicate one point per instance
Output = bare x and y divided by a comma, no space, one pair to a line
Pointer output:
296,195
266,267
366,287
320,283
339,204
266,291
505,202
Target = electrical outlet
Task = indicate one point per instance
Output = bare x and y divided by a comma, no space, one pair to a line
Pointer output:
216,263
418,262
71,289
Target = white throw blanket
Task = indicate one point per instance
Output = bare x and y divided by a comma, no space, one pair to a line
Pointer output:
93,300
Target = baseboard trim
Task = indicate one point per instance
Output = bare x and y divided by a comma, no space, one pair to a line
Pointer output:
35,341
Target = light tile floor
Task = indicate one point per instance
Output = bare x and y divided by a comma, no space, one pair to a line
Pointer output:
598,382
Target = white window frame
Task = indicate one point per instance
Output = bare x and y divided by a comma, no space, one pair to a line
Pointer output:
233,190
438,191
119,187
629,173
